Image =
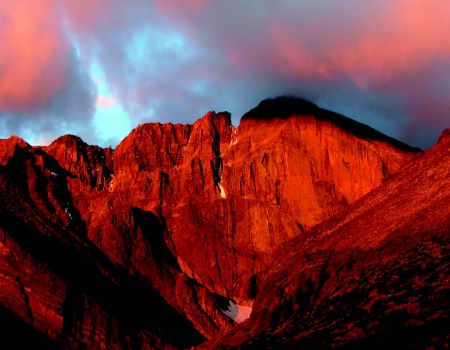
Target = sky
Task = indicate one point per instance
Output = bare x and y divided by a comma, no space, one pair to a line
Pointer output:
99,68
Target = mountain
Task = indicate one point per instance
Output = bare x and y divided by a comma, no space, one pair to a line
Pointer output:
374,276
146,245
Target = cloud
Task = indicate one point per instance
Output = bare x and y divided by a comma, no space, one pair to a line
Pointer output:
358,52
384,63
44,90
106,101
34,55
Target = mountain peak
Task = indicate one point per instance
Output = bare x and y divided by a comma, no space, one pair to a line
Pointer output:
445,133
68,140
9,146
375,275
285,107
281,107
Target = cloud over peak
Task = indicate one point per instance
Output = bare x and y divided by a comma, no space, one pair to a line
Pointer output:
384,63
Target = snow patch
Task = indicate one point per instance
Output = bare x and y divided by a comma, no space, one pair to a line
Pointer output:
237,313
222,191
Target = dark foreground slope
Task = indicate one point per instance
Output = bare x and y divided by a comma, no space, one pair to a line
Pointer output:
375,276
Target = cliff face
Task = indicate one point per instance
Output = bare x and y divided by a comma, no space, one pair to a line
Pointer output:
229,196
173,222
376,275
57,280
244,192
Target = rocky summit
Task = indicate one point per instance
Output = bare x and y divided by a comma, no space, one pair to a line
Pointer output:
300,228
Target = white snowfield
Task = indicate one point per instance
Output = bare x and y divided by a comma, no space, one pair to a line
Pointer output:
236,312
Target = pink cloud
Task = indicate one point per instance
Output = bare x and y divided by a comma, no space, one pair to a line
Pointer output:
369,43
34,54
106,101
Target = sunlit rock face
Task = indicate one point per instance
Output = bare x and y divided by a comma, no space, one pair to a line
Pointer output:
130,248
376,275
245,190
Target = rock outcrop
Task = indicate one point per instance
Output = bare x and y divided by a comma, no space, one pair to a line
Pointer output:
374,276
256,186
174,222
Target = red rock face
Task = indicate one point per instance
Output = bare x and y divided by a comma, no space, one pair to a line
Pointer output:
173,218
376,275
56,280
275,179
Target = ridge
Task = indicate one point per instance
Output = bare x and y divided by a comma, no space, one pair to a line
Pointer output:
284,107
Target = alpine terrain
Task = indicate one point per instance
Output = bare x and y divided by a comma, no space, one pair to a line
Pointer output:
300,228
